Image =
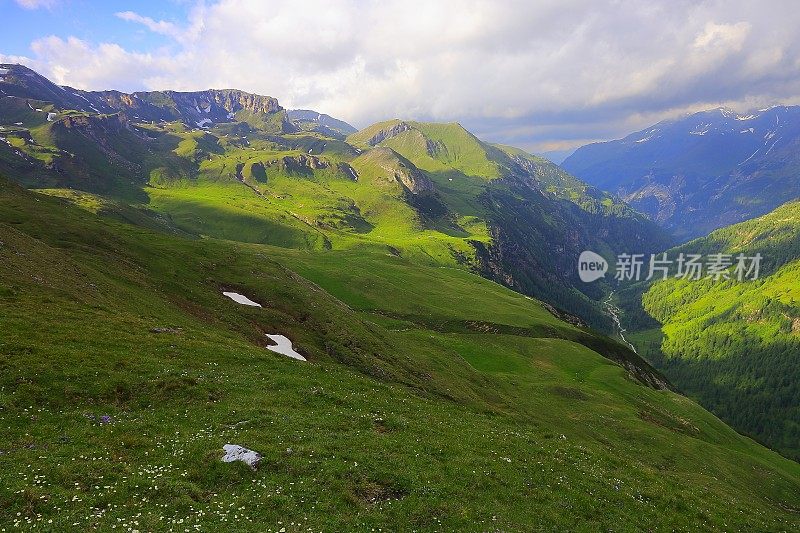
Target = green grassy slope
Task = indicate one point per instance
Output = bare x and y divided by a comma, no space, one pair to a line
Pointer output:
433,193
412,412
539,218
233,165
732,345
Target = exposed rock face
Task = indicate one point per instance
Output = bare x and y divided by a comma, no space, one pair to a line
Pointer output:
348,171
412,179
299,164
86,123
388,133
434,147
234,100
402,170
213,104
234,452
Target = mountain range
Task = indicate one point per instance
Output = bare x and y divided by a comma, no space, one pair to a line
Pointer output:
453,372
700,172
433,191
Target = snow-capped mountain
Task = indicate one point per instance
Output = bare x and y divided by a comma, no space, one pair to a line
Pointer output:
703,171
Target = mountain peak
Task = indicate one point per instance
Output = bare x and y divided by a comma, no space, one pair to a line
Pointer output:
692,173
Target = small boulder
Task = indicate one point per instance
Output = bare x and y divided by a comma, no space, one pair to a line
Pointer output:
234,452
166,330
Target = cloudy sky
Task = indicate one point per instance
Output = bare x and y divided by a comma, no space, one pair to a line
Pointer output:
542,75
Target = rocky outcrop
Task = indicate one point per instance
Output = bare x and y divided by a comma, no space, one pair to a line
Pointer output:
400,169
299,164
388,133
234,452
87,123
413,179
232,100
434,148
348,171
193,108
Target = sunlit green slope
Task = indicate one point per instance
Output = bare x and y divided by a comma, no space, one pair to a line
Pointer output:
232,165
432,397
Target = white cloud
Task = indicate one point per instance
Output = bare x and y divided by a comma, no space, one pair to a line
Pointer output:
573,68
35,4
156,26
723,35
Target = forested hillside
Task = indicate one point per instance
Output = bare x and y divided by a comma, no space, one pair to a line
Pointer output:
735,346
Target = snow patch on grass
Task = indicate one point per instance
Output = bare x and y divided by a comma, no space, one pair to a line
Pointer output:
283,346
241,299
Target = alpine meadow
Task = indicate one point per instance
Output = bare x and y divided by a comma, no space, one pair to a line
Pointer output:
224,309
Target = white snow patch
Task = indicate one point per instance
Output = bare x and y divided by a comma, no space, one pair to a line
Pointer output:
352,172
207,109
18,123
769,135
197,108
203,122
3,71
284,346
29,106
773,146
748,130
745,117
40,110
231,114
751,157
241,299
234,452
51,117
644,140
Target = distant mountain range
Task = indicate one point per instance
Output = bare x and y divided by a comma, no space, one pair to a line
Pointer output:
702,171
314,121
